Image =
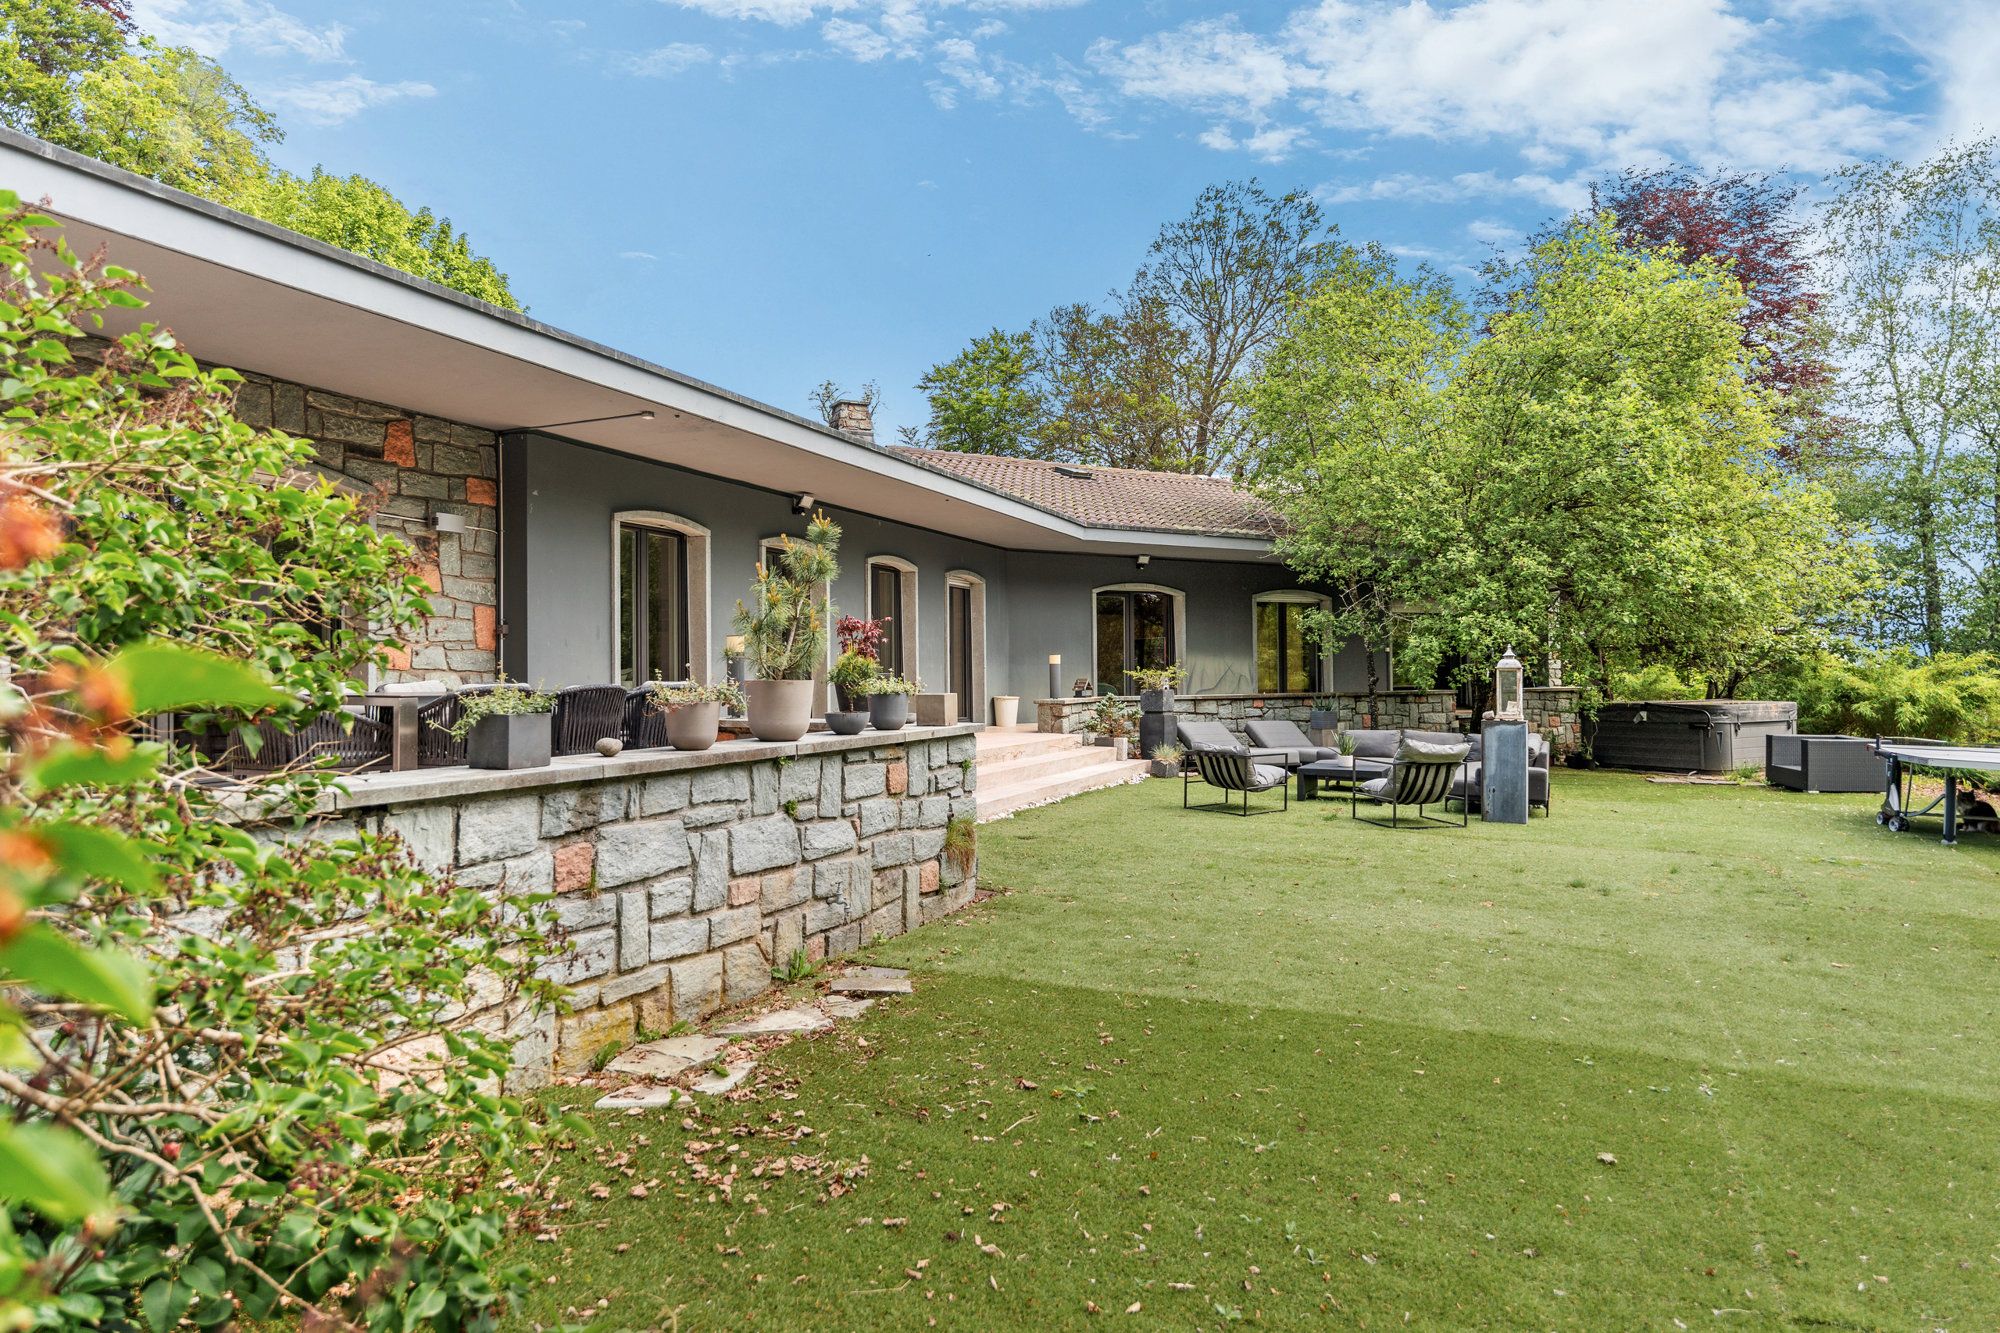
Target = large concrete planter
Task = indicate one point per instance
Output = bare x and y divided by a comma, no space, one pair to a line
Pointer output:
889,712
780,710
934,710
1156,720
694,727
520,740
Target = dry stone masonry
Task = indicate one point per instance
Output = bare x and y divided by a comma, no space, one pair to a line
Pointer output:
678,890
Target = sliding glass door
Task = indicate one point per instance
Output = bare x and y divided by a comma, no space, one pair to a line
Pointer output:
1134,630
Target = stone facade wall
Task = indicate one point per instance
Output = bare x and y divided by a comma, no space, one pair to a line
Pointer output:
417,468
679,891
1556,712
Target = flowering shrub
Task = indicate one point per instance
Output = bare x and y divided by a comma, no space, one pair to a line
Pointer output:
249,1076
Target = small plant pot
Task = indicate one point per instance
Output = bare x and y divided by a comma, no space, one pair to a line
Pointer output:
521,740
889,712
694,727
780,710
847,721
1098,740
1006,709
1161,768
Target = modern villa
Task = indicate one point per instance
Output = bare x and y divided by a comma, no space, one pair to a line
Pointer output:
587,516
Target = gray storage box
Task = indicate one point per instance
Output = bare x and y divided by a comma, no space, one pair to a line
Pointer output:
1690,736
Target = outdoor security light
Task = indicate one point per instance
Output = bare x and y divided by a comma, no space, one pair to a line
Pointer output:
804,504
1145,560
452,523
1507,675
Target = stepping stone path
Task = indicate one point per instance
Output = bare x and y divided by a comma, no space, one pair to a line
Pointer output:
666,1057
779,1022
873,981
657,1061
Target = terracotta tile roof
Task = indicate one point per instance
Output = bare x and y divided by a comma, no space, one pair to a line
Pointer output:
1111,497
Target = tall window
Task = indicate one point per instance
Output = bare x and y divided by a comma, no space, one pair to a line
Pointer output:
1286,662
1134,630
652,604
885,603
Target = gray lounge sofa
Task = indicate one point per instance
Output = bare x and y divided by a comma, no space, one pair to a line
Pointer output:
1285,739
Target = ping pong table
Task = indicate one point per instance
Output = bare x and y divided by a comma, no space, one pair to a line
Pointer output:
1903,755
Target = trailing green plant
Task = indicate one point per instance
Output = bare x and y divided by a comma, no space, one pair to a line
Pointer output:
852,671
508,700
961,843
1111,716
1157,678
884,684
671,700
294,1108
784,622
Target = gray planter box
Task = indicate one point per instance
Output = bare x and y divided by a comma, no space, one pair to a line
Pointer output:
518,741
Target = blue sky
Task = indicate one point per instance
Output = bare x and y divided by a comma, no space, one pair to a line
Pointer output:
767,193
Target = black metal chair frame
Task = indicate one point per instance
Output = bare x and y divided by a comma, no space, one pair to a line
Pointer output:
1393,794
1208,763
585,715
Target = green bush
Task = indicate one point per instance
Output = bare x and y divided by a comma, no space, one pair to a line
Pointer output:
1657,681
1949,697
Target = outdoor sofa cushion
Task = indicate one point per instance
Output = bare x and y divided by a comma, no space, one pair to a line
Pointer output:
1282,738
1435,737
1375,743
1415,751
1199,735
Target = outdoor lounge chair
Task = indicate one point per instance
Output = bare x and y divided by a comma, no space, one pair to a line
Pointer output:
585,715
1421,775
1234,770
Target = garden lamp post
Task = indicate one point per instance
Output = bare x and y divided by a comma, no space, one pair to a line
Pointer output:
1503,777
1055,675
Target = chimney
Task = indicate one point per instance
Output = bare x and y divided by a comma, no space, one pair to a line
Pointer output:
852,417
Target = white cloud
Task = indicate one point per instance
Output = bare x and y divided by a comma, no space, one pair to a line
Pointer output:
642,256
1210,65
783,12
1487,231
672,58
1405,186
856,39
332,101
215,27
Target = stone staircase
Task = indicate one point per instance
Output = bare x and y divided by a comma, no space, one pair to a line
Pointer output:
1022,767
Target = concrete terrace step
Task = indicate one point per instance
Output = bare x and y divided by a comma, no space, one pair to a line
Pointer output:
1090,775
1016,768
999,747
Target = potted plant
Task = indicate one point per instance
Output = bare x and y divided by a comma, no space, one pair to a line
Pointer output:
507,727
694,712
1156,704
1324,721
889,701
1166,761
1111,722
859,662
852,671
784,632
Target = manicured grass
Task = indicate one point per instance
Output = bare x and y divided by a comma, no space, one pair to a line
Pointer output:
1321,1073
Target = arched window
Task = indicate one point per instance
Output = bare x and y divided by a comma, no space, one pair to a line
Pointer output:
1286,662
659,597
1136,626
892,599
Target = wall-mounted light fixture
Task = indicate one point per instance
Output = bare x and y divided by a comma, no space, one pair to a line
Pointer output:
804,504
1144,560
448,523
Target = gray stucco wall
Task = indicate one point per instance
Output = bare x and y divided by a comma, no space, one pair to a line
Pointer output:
558,500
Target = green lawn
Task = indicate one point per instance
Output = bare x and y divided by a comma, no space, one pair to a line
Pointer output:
1319,1073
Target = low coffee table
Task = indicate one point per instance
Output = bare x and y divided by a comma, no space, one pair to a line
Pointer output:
1336,772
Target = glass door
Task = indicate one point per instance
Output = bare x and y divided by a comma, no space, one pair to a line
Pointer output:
1134,630
958,608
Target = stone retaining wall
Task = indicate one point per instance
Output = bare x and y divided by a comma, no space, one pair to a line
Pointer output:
679,890
1556,712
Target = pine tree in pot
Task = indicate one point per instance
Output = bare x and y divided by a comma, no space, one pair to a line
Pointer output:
1111,722
889,702
852,670
507,727
694,712
784,631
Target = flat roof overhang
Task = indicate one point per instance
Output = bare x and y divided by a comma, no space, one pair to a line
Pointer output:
242,293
